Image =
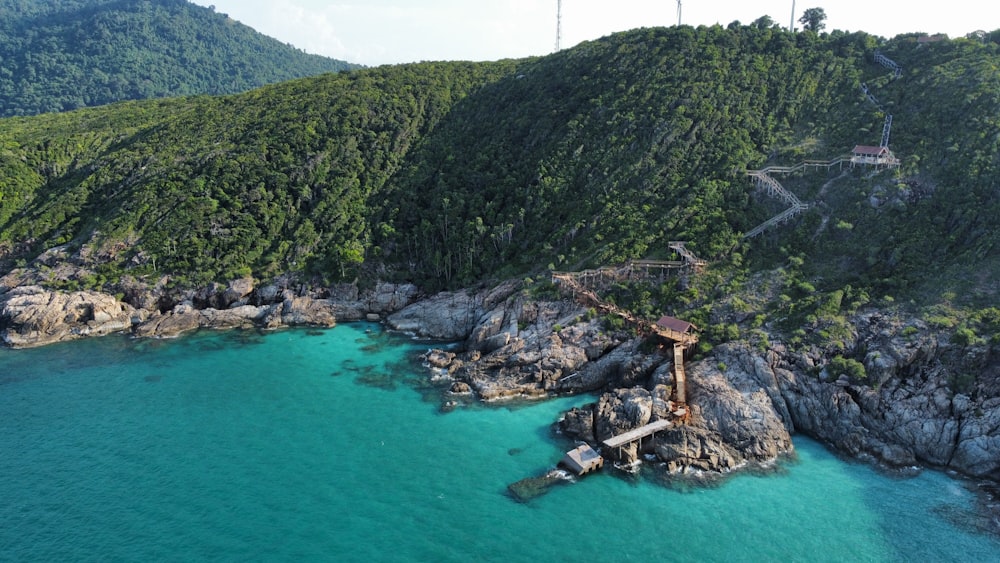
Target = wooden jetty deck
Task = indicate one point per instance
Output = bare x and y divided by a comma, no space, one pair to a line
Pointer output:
680,377
637,433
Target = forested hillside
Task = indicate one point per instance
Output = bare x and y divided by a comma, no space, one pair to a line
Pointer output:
58,55
449,174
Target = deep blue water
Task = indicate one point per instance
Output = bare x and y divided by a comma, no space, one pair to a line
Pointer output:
319,445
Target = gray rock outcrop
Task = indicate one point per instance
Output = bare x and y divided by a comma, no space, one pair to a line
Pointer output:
906,412
31,316
732,422
516,347
523,348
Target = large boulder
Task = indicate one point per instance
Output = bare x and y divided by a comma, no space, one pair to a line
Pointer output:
445,316
451,316
304,311
183,318
31,316
733,403
237,292
390,297
978,449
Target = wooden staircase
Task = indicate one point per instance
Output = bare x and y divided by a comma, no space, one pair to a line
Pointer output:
774,189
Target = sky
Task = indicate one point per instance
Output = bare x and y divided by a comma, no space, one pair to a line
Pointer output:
377,32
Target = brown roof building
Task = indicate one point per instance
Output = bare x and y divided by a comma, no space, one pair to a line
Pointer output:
674,324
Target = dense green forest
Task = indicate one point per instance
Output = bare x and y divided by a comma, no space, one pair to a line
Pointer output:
450,174
58,55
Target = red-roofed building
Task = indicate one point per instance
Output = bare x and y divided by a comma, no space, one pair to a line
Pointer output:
671,323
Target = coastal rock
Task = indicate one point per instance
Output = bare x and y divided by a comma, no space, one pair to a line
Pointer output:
14,278
300,311
734,405
304,311
622,410
171,324
390,297
245,316
515,346
439,358
579,424
237,291
446,316
692,447
31,316
732,422
906,410
978,449
450,316
535,364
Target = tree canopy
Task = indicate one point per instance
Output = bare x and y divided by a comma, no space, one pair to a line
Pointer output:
813,19
449,174
58,55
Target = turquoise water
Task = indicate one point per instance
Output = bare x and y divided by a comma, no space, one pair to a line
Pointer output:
319,445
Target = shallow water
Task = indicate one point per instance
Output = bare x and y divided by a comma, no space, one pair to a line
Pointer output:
305,445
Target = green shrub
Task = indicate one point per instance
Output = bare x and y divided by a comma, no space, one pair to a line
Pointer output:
847,366
964,336
614,322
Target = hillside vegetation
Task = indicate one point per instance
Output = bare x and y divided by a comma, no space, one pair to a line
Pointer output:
449,174
58,55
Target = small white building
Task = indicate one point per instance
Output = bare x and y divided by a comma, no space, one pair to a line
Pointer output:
873,156
582,460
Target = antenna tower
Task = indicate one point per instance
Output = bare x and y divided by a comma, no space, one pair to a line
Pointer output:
558,25
791,23
678,13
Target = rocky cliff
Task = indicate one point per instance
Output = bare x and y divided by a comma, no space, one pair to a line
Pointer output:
914,406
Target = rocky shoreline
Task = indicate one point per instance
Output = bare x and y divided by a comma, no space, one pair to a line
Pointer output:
32,316
746,401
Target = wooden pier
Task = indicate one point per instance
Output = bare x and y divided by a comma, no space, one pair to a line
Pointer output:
680,377
637,434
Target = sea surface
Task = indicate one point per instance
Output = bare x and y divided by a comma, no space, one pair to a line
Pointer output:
330,446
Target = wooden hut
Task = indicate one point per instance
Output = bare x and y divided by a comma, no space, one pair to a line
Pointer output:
875,156
582,460
676,325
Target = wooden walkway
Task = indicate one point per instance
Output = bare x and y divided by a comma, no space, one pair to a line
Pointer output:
680,377
589,298
682,340
689,258
763,178
633,269
778,219
637,433
802,165
774,189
